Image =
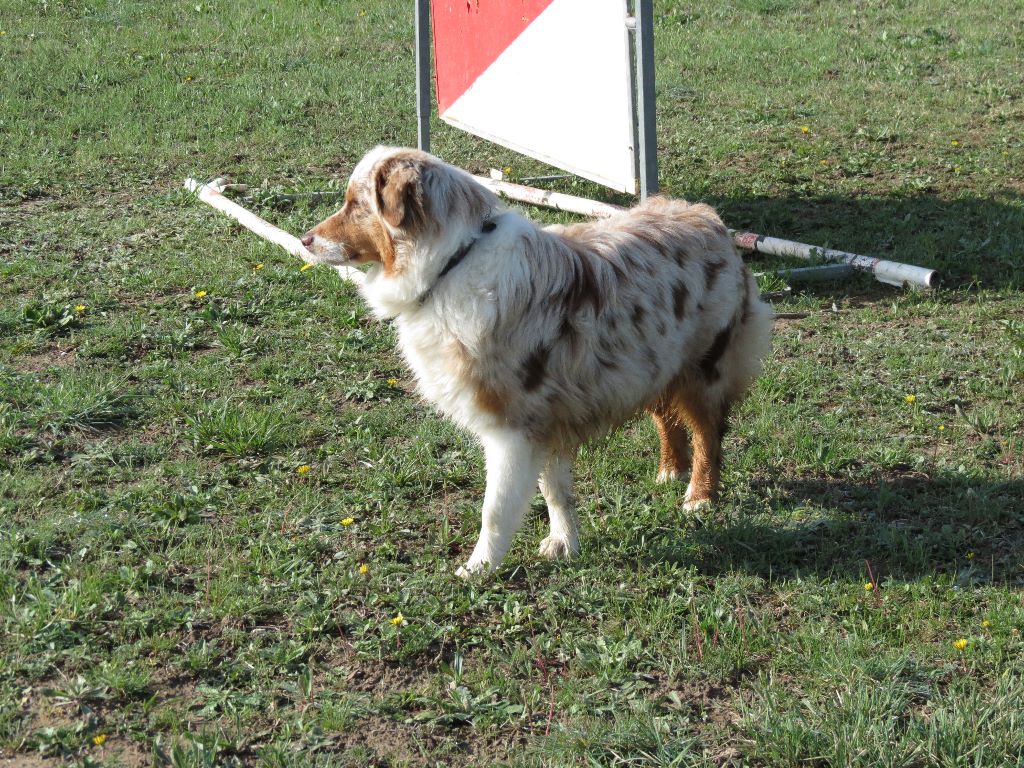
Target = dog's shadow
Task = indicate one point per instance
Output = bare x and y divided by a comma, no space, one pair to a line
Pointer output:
971,530
941,522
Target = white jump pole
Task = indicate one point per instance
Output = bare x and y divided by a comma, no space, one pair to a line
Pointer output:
212,194
889,272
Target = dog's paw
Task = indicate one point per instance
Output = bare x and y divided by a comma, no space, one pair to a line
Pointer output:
473,568
558,548
691,504
667,475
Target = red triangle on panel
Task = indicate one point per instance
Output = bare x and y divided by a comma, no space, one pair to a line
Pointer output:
470,34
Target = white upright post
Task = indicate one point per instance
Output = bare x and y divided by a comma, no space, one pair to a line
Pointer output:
645,103
423,74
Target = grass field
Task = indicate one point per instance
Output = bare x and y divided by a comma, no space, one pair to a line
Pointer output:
175,587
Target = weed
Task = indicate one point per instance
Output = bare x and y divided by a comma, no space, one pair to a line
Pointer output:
228,428
51,317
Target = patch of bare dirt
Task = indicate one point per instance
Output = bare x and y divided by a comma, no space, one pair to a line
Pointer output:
55,357
125,752
390,742
24,760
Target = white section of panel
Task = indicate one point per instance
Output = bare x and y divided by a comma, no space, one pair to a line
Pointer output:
562,93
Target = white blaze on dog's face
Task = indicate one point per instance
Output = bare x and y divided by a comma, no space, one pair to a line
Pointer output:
384,203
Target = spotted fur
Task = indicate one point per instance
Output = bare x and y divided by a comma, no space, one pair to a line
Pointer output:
538,339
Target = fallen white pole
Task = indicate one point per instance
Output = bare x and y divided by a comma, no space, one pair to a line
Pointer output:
548,199
890,272
211,194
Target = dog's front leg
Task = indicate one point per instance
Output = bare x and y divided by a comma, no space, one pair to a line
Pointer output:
513,464
556,485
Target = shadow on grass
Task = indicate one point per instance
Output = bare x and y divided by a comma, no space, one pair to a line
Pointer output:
968,239
906,528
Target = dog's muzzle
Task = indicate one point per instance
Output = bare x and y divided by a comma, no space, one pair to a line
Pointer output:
325,252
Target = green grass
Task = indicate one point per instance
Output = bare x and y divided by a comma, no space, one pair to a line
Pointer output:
170,582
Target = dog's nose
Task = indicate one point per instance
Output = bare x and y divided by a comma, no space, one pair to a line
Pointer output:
307,239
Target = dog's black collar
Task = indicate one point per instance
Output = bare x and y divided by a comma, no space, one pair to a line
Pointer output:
457,258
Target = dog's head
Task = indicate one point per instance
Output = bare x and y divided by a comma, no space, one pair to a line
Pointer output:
396,198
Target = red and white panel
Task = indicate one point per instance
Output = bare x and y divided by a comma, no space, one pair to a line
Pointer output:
547,78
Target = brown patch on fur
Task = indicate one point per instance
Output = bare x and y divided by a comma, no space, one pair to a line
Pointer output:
709,363
399,189
711,270
361,233
679,294
489,399
535,368
638,315
485,396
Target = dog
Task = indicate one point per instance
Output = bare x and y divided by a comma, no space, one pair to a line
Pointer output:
539,339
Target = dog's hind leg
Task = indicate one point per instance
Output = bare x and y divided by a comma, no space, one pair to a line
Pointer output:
513,464
707,415
675,442
556,485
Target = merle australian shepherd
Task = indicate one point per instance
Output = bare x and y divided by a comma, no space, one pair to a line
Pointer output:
538,339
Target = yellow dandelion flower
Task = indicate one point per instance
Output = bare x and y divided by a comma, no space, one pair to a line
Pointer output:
305,267
259,266
805,129
942,427
960,643
303,469
200,294
364,568
188,79
986,624
507,170
392,382
911,399
824,162
399,620
79,308
868,586
348,521
955,143
99,738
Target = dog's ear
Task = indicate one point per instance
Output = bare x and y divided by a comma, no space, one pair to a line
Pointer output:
399,185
